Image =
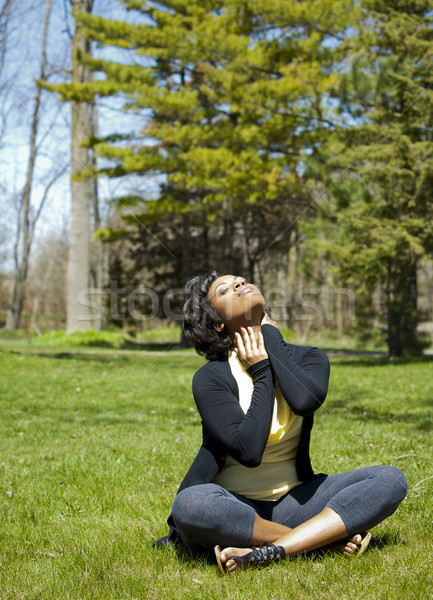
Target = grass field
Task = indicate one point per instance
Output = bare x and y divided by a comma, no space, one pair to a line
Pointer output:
93,447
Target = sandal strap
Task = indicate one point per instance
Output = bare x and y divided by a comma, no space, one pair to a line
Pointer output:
266,553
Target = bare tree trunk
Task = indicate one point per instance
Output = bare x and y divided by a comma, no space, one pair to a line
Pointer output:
25,223
5,18
77,312
99,249
98,276
403,316
5,11
37,296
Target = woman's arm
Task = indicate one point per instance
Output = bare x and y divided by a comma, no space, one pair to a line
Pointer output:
304,379
242,435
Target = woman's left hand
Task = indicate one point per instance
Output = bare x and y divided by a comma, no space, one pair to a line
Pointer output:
249,348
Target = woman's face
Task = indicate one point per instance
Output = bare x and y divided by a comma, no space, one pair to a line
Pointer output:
236,301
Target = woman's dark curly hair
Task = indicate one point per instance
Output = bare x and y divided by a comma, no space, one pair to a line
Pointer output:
199,317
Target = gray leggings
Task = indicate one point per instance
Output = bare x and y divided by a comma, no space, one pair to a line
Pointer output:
208,514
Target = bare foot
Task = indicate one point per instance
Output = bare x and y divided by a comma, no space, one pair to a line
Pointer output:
355,545
232,559
225,558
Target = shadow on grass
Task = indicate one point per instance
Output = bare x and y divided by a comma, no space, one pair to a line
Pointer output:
116,355
194,559
149,346
379,541
93,348
386,540
379,361
423,421
353,352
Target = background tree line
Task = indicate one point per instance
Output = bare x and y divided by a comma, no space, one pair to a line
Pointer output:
287,141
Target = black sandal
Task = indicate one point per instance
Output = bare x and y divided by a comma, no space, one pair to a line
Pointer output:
259,555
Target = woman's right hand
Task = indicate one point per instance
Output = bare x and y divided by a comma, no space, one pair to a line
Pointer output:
250,347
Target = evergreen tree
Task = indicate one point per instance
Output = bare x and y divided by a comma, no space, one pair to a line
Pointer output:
234,94
382,184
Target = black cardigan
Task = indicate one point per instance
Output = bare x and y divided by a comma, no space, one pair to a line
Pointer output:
302,374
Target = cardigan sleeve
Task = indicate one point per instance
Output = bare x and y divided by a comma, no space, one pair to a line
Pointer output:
302,372
242,435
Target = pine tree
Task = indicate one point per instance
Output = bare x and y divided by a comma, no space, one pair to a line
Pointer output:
234,93
382,187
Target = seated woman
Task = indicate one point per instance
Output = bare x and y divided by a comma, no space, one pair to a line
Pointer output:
251,489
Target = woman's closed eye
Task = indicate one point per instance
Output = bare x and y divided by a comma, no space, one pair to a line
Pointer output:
221,291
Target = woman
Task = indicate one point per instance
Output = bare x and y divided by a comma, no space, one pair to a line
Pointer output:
251,488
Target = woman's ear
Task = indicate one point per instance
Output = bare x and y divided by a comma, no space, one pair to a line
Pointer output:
218,325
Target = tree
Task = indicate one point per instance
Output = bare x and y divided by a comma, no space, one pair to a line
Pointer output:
28,215
5,25
46,298
82,190
231,95
383,210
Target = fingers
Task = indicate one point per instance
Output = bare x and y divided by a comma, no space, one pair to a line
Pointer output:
239,346
249,348
246,342
261,345
249,339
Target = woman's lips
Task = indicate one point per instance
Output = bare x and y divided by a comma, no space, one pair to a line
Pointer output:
244,290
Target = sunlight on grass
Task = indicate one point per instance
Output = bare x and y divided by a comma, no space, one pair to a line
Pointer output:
93,448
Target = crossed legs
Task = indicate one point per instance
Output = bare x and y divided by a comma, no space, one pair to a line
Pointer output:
312,515
323,529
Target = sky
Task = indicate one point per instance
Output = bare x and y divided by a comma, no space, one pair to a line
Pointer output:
17,91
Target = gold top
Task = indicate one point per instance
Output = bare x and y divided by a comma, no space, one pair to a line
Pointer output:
276,474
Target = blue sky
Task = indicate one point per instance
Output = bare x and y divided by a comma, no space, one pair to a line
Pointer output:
17,85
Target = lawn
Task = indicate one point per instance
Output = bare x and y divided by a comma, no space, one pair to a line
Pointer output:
94,445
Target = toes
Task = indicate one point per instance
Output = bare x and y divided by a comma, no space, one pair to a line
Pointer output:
355,545
231,566
225,554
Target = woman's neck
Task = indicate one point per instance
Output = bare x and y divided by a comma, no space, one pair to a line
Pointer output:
244,323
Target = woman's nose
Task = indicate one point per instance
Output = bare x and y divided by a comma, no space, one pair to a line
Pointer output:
239,283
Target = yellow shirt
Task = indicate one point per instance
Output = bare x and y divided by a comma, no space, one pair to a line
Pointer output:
276,474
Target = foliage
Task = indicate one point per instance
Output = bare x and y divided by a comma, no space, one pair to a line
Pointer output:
252,116
382,179
100,339
232,95
162,337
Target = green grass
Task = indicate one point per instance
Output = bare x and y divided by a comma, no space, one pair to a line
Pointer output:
93,447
